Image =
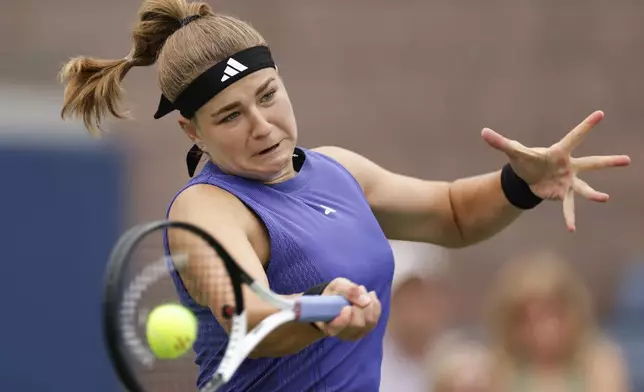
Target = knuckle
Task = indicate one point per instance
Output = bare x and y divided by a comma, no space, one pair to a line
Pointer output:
340,282
359,322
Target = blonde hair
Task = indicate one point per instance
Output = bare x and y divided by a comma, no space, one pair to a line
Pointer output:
540,275
93,86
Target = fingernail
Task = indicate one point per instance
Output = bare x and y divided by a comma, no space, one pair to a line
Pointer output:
364,299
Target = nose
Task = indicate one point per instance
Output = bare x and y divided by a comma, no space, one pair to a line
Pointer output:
260,126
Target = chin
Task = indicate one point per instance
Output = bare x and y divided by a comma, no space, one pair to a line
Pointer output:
279,164
278,176
271,167
274,173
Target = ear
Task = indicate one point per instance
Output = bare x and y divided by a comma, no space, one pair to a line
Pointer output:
189,128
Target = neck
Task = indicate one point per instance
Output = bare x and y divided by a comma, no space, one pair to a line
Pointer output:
286,174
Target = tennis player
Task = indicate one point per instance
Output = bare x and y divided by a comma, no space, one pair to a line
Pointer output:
304,221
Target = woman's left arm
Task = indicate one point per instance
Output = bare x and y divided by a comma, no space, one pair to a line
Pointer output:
470,210
452,214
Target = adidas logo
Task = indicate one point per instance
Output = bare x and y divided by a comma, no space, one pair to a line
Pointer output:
327,210
233,67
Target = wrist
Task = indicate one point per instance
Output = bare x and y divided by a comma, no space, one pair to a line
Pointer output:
517,191
318,289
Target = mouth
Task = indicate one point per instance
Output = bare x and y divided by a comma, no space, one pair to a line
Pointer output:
269,149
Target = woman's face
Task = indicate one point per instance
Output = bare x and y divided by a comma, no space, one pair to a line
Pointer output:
543,329
249,128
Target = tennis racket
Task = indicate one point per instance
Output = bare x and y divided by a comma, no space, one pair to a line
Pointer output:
140,277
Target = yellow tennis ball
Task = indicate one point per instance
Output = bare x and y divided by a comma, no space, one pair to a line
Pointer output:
171,329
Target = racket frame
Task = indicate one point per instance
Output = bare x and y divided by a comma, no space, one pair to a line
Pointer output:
114,288
241,341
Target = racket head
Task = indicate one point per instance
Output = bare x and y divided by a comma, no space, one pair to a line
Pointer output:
139,277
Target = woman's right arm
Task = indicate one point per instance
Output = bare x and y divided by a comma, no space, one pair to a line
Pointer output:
229,221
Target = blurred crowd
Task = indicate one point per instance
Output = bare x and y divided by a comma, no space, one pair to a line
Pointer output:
408,84
538,331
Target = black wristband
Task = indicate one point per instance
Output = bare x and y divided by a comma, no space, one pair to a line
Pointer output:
318,289
516,190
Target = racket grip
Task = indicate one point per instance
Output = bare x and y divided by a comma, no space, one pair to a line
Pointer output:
310,308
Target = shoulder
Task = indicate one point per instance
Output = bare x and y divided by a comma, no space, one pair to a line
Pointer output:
222,214
204,200
363,170
342,155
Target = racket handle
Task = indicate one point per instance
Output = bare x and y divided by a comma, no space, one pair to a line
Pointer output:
320,307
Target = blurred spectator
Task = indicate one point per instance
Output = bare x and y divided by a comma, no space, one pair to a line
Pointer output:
626,323
544,335
460,366
419,312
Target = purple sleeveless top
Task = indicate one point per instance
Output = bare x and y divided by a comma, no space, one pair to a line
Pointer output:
320,227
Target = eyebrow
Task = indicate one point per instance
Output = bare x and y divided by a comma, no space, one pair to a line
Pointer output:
235,104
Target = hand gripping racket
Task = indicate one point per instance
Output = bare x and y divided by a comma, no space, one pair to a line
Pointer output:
138,279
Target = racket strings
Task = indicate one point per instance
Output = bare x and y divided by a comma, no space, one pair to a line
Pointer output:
204,275
154,277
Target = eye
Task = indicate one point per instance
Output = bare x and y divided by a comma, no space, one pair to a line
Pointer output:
230,117
268,96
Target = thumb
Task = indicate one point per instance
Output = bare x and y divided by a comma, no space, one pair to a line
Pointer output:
338,324
357,297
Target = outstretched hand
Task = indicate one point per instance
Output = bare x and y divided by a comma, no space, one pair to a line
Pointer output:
551,172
